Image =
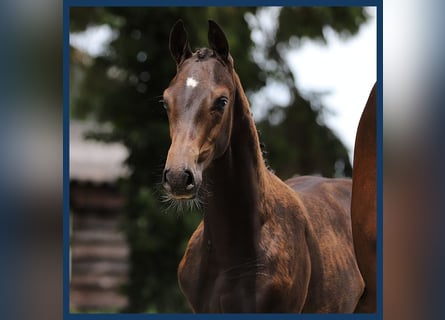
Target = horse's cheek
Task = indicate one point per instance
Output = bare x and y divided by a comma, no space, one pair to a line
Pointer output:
222,143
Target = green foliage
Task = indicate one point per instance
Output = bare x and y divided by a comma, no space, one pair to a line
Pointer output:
300,144
309,22
123,87
157,239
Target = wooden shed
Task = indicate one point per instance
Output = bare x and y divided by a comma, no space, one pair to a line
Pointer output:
98,247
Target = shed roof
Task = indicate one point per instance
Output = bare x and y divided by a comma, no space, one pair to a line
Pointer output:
93,160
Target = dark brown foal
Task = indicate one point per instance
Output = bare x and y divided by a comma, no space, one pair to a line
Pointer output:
263,245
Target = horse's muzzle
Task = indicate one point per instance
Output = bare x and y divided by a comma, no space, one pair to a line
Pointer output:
180,183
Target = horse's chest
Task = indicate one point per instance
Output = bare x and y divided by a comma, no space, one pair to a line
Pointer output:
209,288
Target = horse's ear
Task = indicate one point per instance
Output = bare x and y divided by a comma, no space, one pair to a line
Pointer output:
218,41
179,43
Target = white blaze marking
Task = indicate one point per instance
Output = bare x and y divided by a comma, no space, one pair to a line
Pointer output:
191,82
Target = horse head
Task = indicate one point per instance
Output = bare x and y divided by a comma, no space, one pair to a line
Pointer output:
199,103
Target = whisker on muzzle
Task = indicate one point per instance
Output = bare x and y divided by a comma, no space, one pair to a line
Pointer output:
182,205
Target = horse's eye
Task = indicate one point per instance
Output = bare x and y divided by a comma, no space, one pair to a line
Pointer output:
220,103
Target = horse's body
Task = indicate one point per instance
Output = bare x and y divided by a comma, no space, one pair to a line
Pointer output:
263,245
363,204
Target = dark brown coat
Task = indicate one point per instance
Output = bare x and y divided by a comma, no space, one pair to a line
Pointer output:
263,245
363,205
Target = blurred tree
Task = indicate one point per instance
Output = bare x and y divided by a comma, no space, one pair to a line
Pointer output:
123,85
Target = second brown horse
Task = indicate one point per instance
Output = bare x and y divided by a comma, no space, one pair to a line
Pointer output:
363,203
263,245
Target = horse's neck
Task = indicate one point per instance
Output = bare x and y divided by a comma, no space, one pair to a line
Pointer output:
233,210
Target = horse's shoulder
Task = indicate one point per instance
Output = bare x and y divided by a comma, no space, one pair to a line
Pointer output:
188,270
196,240
193,248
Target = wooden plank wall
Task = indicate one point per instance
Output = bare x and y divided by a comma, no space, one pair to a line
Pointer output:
99,252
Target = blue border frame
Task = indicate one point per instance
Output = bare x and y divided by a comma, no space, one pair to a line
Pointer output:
379,261
66,115
222,3
65,162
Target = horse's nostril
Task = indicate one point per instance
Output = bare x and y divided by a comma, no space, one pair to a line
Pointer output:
190,182
179,181
164,177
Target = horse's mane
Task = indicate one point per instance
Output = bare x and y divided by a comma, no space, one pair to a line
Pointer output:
204,54
264,154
